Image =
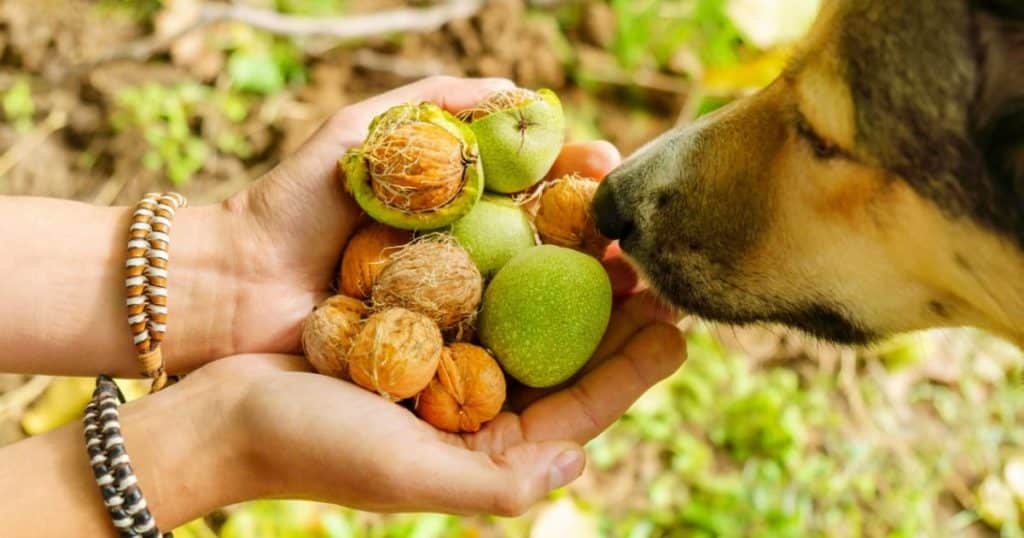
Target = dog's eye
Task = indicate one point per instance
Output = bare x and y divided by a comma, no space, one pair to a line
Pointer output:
823,149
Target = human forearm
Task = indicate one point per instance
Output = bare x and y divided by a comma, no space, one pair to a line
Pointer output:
186,451
63,290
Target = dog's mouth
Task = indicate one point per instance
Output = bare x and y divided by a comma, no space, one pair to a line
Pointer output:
695,285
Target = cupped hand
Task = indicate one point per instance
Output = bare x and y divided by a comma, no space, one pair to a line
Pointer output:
321,438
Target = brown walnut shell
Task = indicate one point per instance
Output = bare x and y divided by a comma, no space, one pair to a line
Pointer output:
435,277
416,167
564,216
396,353
467,391
365,256
328,333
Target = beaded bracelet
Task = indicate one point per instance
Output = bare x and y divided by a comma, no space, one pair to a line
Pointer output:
146,279
111,465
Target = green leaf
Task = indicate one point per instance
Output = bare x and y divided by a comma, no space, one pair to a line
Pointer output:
152,160
18,105
337,525
289,60
257,73
311,7
431,526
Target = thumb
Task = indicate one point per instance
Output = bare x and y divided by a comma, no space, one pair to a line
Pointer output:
505,484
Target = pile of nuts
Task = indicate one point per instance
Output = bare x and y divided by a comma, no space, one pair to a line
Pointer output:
403,323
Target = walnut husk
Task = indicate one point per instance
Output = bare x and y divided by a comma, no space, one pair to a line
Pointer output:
499,101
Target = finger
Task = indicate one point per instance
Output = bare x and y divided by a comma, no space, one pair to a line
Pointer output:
636,313
447,478
590,159
263,363
625,280
450,93
586,408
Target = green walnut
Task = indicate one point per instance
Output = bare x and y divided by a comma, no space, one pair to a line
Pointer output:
494,232
544,314
520,133
419,168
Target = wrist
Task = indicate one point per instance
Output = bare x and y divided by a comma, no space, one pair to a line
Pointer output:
189,450
206,260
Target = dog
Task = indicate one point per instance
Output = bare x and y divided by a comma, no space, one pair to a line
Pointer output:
875,187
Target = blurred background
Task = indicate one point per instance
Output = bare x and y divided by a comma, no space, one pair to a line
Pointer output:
763,433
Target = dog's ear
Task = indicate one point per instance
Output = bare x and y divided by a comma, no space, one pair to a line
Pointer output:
999,111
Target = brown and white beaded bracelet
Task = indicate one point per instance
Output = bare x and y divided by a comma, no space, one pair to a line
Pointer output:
146,279
111,465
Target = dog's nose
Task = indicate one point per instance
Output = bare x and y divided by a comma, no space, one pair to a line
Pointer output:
610,220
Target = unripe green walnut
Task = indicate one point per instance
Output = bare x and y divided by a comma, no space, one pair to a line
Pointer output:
544,314
419,168
520,134
494,232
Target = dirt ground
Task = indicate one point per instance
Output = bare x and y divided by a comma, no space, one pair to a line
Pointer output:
72,152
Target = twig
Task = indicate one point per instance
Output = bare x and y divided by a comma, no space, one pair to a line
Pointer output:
15,401
55,121
647,80
110,190
353,27
408,20
403,67
688,112
600,66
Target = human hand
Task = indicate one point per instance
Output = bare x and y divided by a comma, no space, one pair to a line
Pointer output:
320,438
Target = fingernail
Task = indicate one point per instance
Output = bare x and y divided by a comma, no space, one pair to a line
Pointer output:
566,467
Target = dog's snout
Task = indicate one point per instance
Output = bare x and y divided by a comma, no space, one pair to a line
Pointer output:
611,221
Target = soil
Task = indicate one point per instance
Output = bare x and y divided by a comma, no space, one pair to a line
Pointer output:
61,47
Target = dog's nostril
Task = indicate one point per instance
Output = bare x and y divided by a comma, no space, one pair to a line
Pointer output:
610,220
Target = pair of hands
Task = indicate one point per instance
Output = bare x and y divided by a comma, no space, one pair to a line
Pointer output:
315,437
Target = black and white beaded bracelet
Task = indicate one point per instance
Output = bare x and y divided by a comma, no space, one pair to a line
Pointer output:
111,465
